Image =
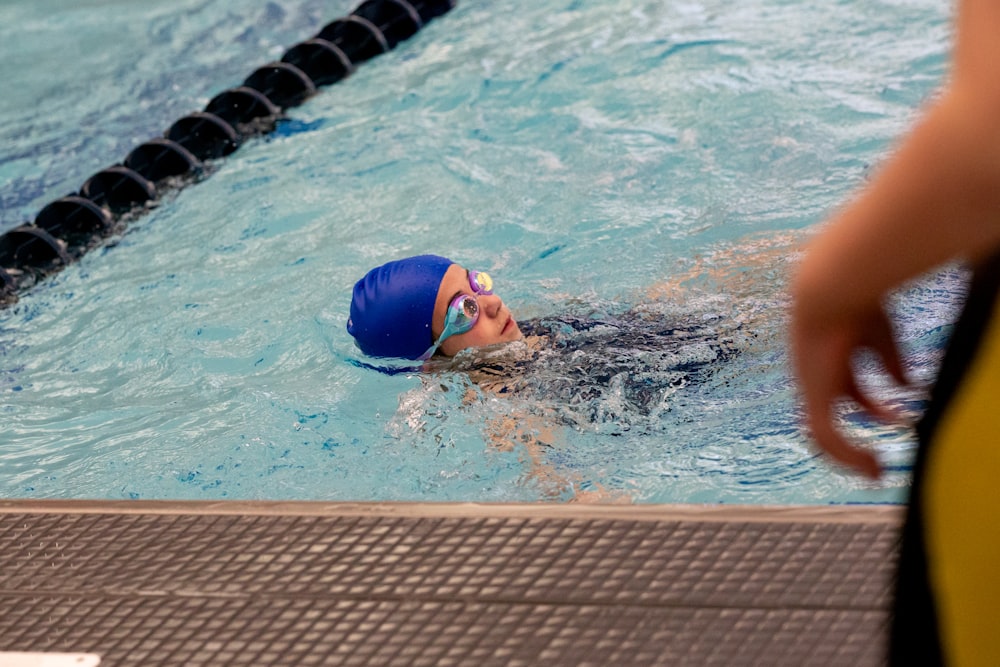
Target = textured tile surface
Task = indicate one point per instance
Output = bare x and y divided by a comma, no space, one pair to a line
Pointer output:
201,588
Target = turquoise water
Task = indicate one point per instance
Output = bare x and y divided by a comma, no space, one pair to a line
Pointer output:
593,156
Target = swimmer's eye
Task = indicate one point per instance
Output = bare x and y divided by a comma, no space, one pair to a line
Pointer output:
480,282
470,308
463,312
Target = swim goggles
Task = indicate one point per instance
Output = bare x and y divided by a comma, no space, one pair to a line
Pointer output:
463,311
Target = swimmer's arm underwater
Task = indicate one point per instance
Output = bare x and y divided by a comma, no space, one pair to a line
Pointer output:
536,435
936,199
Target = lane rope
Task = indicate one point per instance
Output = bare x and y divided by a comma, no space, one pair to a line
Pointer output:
69,227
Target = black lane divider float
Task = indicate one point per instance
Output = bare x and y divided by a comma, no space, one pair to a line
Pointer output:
67,228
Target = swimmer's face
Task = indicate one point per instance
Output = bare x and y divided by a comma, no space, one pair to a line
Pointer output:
495,323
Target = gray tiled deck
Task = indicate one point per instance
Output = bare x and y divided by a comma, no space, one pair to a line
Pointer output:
407,584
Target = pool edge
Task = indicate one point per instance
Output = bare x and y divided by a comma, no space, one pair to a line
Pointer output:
879,514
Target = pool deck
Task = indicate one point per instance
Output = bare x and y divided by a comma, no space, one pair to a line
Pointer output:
297,583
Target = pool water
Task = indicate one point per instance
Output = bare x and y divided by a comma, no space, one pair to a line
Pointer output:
594,156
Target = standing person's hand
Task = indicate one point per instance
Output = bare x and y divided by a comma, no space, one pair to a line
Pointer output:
824,343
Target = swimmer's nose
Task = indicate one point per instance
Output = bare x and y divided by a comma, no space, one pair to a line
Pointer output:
491,304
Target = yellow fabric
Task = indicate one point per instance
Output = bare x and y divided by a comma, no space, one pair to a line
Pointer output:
961,494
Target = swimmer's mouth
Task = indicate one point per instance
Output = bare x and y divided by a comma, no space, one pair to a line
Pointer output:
506,327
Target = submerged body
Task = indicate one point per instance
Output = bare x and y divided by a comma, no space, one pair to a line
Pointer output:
615,373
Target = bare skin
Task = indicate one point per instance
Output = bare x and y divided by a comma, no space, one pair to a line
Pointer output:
937,199
495,323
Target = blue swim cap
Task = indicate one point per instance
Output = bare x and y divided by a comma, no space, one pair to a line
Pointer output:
393,305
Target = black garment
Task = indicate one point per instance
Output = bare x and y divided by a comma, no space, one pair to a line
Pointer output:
916,629
617,370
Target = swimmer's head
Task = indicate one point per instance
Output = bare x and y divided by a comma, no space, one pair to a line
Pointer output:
413,308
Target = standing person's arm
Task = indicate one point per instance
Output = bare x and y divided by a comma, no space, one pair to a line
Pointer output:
936,199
